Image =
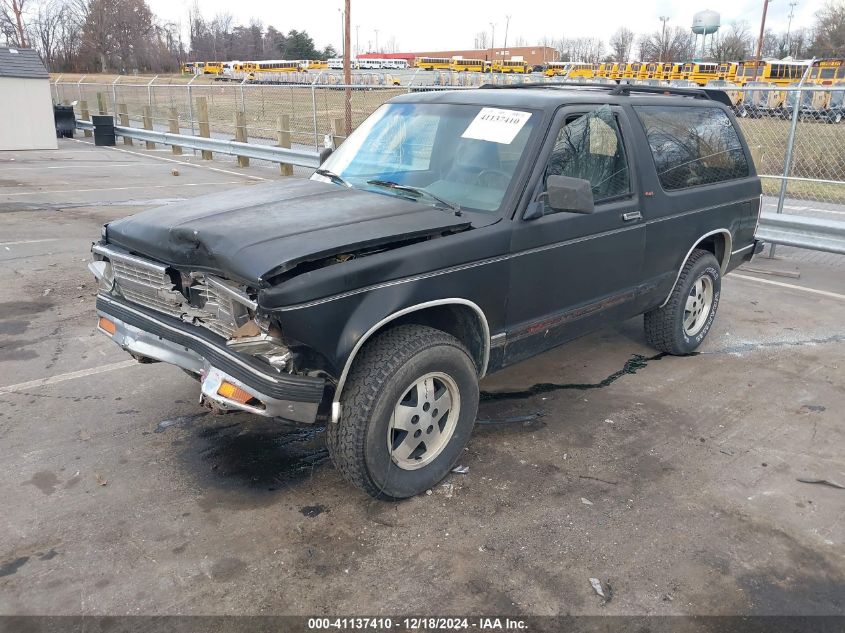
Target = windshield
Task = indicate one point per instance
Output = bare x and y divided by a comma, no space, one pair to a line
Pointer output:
461,155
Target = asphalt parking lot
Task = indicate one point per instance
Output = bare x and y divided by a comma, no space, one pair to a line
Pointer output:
673,480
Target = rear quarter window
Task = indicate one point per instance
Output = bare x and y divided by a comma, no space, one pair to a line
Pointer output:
692,146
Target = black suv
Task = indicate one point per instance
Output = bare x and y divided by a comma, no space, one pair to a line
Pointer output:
452,234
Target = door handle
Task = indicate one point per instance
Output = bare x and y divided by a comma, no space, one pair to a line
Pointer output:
632,215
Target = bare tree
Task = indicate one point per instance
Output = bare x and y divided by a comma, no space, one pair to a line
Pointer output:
46,28
733,44
621,43
12,15
481,40
829,30
676,44
799,41
580,49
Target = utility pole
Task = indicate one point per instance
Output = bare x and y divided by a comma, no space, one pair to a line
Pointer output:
792,6
760,41
376,30
17,11
357,47
493,38
507,24
663,44
347,66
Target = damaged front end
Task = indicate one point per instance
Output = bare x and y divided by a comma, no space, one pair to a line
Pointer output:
208,326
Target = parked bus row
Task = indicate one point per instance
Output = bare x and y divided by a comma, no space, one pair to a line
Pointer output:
824,72
466,64
225,69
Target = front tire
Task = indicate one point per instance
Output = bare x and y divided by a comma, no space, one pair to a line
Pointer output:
408,409
679,327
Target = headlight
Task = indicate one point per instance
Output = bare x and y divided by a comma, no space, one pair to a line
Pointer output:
104,273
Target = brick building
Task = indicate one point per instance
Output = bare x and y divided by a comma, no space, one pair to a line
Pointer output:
532,54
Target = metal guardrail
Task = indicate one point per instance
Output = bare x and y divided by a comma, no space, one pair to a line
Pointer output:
804,232
303,158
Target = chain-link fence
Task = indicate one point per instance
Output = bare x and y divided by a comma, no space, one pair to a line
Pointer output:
808,179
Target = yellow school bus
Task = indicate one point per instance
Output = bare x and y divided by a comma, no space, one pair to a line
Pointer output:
638,70
673,72
654,70
271,66
313,64
510,66
433,63
776,72
213,68
571,70
623,71
607,70
727,71
556,69
826,72
463,65
700,72
581,69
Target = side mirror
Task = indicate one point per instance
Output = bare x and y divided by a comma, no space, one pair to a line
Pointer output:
574,195
325,153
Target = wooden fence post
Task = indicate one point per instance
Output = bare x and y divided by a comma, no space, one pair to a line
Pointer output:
148,124
339,130
102,103
202,119
240,136
123,117
85,115
174,129
284,141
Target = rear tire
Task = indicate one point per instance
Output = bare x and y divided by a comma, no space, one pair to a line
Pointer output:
679,327
398,381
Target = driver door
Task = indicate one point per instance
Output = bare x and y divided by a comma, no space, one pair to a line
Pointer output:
573,272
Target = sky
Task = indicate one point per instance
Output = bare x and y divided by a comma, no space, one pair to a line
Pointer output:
445,24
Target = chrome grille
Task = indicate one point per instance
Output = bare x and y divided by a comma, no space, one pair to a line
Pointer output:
226,319
153,277
147,284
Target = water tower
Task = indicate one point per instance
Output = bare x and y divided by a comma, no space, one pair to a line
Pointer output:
705,23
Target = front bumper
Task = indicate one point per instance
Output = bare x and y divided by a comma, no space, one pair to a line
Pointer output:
147,334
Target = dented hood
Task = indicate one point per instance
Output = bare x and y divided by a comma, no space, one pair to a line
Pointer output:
249,232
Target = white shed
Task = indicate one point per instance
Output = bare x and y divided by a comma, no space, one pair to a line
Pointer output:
26,104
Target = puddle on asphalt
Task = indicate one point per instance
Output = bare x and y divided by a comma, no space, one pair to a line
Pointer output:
258,458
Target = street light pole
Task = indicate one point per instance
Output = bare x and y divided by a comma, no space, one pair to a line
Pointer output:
507,24
376,30
760,40
792,5
663,46
493,38
357,47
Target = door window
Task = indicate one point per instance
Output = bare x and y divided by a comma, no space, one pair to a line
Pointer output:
589,146
693,146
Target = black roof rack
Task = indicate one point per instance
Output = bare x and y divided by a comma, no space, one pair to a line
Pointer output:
626,89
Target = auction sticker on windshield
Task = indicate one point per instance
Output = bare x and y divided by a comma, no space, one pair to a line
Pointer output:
496,126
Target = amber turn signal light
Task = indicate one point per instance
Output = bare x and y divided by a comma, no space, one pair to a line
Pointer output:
233,392
107,326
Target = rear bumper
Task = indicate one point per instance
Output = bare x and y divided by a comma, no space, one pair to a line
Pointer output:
145,333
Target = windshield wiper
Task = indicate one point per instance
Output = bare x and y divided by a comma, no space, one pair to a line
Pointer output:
419,191
338,180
